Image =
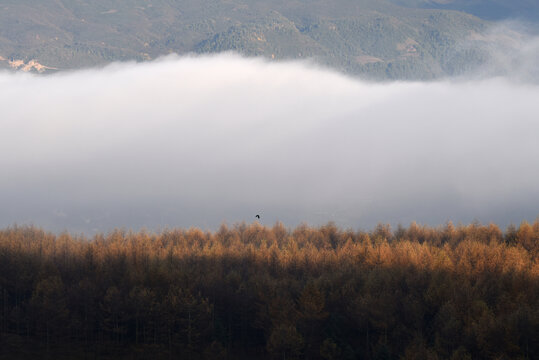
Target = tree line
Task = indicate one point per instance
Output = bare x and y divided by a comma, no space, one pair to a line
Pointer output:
257,292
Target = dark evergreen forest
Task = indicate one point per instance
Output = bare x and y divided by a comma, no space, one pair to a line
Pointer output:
255,292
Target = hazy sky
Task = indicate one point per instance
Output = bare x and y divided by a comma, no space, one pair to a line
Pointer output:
197,141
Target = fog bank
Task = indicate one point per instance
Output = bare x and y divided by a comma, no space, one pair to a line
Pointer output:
197,141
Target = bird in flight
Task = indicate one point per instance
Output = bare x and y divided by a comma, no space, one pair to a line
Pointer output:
257,216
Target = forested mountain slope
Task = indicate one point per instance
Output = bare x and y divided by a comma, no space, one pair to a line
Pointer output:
374,38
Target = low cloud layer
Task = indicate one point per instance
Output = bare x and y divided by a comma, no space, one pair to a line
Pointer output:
197,141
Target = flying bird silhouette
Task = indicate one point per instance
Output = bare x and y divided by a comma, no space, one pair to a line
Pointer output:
257,216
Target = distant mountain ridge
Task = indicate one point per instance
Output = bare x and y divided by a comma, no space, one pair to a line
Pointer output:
381,39
487,9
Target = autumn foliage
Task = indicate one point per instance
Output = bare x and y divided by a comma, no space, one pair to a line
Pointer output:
255,292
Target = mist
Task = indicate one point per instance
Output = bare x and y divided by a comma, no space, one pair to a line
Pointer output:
198,141
508,49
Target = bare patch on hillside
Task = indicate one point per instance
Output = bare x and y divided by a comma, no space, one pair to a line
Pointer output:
366,59
31,65
408,47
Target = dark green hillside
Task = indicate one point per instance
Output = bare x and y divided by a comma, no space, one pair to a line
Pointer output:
375,38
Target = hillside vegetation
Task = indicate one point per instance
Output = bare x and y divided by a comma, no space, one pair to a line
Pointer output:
375,38
254,292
